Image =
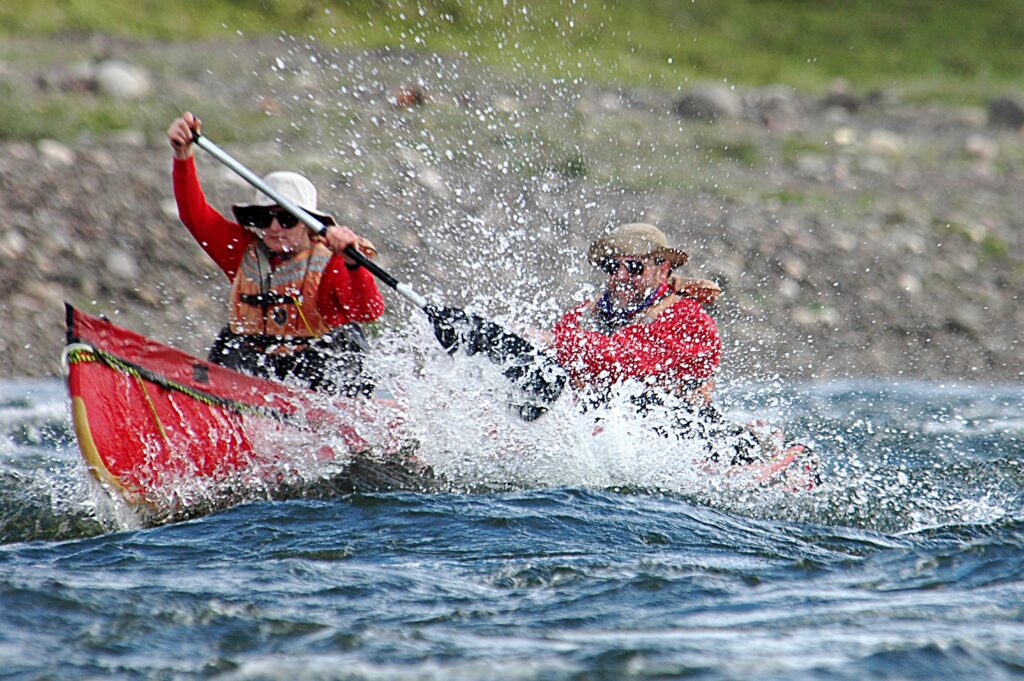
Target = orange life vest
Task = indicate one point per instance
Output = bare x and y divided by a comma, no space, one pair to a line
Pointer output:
281,302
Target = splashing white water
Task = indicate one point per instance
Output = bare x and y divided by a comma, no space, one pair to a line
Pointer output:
457,409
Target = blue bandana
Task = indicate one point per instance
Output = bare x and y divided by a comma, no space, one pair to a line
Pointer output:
614,318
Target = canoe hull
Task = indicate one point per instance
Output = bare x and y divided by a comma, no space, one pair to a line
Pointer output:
172,435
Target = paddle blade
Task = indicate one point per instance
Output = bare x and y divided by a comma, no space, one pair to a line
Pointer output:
535,374
447,323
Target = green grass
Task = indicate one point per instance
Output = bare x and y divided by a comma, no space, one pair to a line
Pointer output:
994,247
61,116
741,151
951,49
785,197
795,147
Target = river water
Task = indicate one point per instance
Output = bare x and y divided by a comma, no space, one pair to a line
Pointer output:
906,563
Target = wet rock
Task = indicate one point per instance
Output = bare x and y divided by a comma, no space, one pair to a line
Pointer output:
147,295
56,151
981,147
121,264
885,143
794,267
967,262
506,104
732,266
200,304
308,81
87,285
844,241
836,115
63,80
270,106
844,136
873,294
432,180
876,165
21,151
12,244
813,166
83,71
130,138
965,321
804,317
169,207
22,304
409,239
841,95
709,103
909,283
789,289
775,106
122,80
54,241
1006,112
102,158
827,316
48,293
610,103
229,177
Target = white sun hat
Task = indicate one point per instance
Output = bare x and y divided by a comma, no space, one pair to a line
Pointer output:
291,186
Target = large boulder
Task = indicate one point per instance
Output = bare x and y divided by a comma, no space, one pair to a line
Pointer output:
709,103
1006,112
122,80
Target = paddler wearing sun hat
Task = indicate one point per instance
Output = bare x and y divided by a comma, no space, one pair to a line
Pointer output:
648,325
296,300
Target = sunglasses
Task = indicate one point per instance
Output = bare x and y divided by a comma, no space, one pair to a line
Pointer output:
634,268
262,219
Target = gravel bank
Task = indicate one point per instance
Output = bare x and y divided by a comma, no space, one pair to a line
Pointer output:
855,234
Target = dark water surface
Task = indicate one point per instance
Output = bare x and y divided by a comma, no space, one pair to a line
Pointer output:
908,563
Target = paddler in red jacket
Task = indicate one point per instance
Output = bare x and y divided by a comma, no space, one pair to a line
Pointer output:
296,301
647,326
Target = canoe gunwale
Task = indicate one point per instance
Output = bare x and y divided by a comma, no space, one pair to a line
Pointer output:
80,351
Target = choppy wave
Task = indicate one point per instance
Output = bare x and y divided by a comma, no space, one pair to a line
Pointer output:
555,583
603,557
43,490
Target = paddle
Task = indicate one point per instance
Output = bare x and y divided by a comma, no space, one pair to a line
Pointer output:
533,372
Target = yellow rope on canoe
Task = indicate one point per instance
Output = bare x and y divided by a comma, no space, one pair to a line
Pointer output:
76,355
84,356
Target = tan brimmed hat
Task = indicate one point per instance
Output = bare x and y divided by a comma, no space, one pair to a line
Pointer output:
635,240
291,186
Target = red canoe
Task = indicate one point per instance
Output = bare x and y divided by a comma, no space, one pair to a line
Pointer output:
172,436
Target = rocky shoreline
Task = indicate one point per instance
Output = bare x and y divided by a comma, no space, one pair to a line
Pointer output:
855,234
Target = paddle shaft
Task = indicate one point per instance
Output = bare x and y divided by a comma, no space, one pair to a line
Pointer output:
307,219
525,367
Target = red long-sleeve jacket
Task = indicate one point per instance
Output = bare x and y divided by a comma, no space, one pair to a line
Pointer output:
343,295
679,348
